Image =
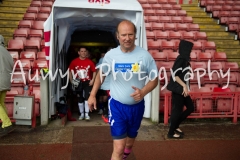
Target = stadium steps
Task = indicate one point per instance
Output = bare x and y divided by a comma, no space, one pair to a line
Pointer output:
224,41
11,12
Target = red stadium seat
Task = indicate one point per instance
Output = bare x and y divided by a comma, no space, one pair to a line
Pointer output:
216,66
146,6
148,26
172,2
153,45
163,1
28,55
171,13
152,1
36,3
214,78
20,33
149,12
47,4
220,56
187,19
174,35
209,46
41,55
164,19
172,56
25,64
189,36
150,35
42,16
227,8
166,45
161,13
193,27
193,56
229,3
29,16
14,54
232,20
159,56
35,33
197,46
32,10
181,13
152,19
39,64
25,24
32,45
200,36
166,65
15,45
37,25
156,6
169,27
232,65
219,2
143,1
161,35
206,104
211,86
166,6
176,7
181,27
157,26
204,56
176,19
45,10
196,65
236,7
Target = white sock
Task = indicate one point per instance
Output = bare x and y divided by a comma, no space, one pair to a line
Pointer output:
86,107
81,108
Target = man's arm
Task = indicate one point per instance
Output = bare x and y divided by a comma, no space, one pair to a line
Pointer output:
92,98
93,79
139,94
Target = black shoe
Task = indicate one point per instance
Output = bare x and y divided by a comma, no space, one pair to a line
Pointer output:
175,136
180,133
6,130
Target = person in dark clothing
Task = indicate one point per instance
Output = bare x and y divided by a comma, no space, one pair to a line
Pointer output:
179,100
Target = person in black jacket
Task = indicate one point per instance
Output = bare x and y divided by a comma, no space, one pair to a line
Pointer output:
179,100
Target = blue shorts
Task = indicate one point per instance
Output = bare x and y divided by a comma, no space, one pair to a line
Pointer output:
125,120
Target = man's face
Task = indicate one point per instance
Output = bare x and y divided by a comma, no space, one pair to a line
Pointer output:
82,53
126,36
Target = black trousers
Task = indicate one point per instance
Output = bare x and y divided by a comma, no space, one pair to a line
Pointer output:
177,113
84,95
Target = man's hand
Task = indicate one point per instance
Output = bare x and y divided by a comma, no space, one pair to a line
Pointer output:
75,82
92,103
185,91
91,82
137,94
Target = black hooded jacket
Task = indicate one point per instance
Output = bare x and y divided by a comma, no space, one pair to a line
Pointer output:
182,61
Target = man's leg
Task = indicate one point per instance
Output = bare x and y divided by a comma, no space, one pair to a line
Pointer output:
118,148
87,89
128,147
3,111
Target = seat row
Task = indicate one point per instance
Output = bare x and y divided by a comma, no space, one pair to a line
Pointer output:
39,10
178,27
163,45
162,6
157,2
168,19
170,35
158,12
28,55
20,45
38,3
201,56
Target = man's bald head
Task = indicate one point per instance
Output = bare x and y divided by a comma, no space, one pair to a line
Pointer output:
126,22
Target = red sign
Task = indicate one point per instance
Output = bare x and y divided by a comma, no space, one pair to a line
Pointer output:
99,1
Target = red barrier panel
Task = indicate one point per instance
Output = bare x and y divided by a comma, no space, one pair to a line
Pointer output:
209,105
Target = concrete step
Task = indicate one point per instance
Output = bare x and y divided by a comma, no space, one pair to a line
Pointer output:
231,53
213,38
211,26
212,29
217,33
226,42
189,8
226,46
10,18
7,30
6,23
11,15
16,3
13,9
206,20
